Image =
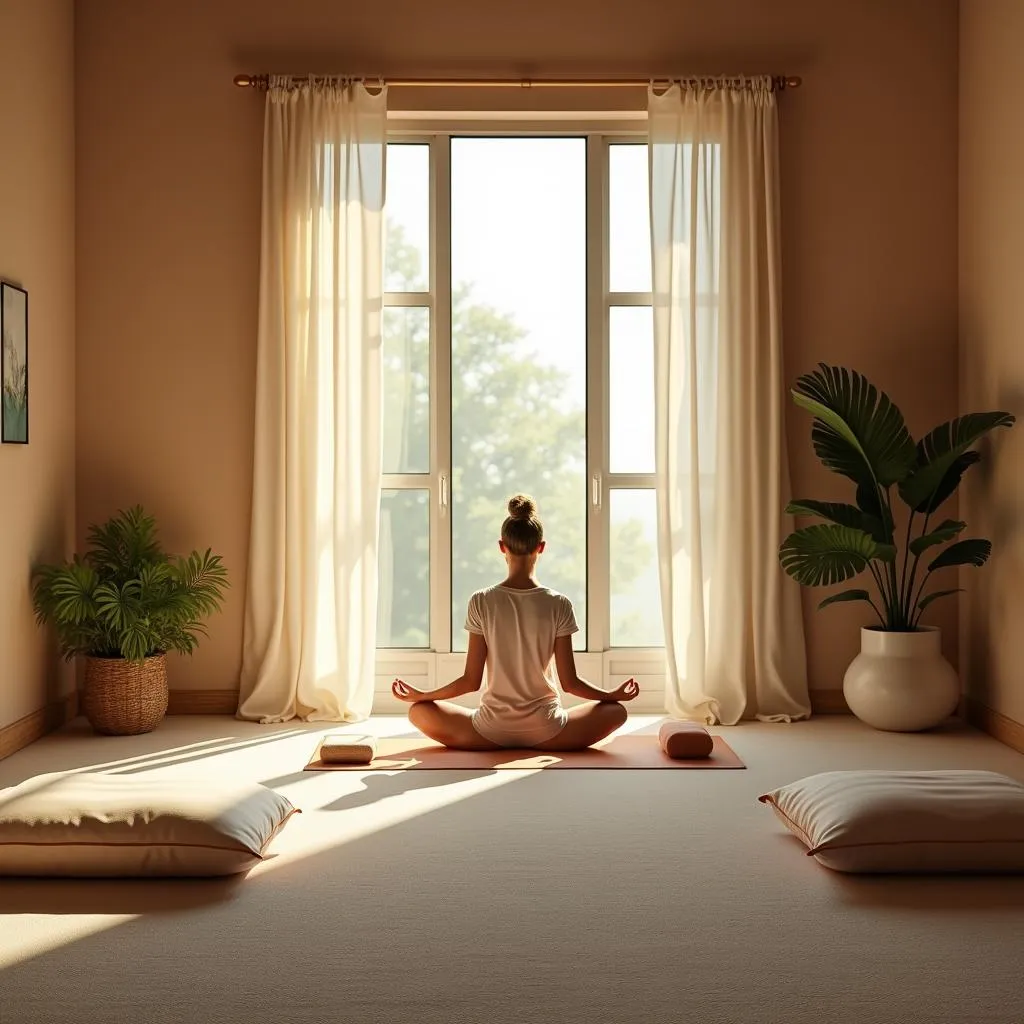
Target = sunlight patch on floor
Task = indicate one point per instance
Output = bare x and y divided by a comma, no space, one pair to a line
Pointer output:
190,754
639,723
321,828
36,934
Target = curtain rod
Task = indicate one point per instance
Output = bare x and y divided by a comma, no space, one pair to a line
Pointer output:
779,82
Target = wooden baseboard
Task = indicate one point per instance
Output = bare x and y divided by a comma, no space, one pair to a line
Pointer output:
202,702
829,702
35,726
1006,730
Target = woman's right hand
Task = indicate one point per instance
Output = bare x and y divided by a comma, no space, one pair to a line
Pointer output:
627,691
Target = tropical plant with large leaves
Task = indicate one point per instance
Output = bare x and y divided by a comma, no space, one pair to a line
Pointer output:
859,433
126,597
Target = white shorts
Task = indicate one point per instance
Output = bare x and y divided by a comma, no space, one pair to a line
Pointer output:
547,728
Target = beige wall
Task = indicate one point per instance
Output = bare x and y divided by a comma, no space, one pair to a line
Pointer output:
992,341
168,178
37,481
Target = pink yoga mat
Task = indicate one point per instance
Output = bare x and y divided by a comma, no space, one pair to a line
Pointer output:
616,752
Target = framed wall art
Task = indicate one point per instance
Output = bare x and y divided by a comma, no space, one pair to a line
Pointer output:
14,363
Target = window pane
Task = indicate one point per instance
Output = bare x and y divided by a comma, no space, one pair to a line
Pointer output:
631,389
629,219
518,358
406,382
633,570
407,216
403,605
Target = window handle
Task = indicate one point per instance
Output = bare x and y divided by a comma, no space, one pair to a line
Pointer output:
442,491
595,492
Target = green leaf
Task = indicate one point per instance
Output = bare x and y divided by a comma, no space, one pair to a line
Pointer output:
845,595
945,531
950,482
836,512
925,601
822,555
858,431
965,552
869,502
123,544
940,452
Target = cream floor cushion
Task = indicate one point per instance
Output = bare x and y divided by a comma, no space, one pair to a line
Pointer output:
907,821
99,825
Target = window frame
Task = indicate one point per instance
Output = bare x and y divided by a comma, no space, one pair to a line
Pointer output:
603,481
436,299
603,665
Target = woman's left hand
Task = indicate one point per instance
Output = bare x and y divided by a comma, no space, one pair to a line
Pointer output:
403,691
629,690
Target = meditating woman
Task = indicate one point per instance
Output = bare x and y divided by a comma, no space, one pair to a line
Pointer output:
515,629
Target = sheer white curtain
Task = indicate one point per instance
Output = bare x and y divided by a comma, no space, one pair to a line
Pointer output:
311,598
733,626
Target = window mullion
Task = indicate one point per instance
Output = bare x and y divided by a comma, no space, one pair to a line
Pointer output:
597,395
629,299
630,481
408,299
398,481
441,391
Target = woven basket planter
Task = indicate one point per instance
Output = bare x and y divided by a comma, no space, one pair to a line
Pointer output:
124,698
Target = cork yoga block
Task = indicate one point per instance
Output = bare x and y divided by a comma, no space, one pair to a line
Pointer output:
342,748
685,740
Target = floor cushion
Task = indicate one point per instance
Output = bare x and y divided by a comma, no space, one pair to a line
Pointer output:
685,740
101,825
906,821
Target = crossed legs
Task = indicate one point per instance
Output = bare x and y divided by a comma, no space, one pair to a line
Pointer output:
452,725
588,723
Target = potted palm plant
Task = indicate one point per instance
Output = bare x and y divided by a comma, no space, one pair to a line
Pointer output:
900,680
122,607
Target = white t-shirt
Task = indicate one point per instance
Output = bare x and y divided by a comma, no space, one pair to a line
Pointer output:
520,698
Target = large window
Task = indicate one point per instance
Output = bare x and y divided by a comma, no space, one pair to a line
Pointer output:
518,356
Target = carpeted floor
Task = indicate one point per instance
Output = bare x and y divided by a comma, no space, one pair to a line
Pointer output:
486,897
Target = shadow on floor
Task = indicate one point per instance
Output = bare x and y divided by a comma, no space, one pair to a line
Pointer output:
938,894
115,895
380,786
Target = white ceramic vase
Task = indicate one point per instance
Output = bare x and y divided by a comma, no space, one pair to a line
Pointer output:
900,682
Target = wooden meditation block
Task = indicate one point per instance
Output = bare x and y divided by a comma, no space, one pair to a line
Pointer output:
344,748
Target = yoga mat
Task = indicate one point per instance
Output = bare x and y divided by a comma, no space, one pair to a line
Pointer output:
617,752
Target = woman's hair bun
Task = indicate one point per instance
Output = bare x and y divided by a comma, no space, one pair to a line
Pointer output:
521,506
